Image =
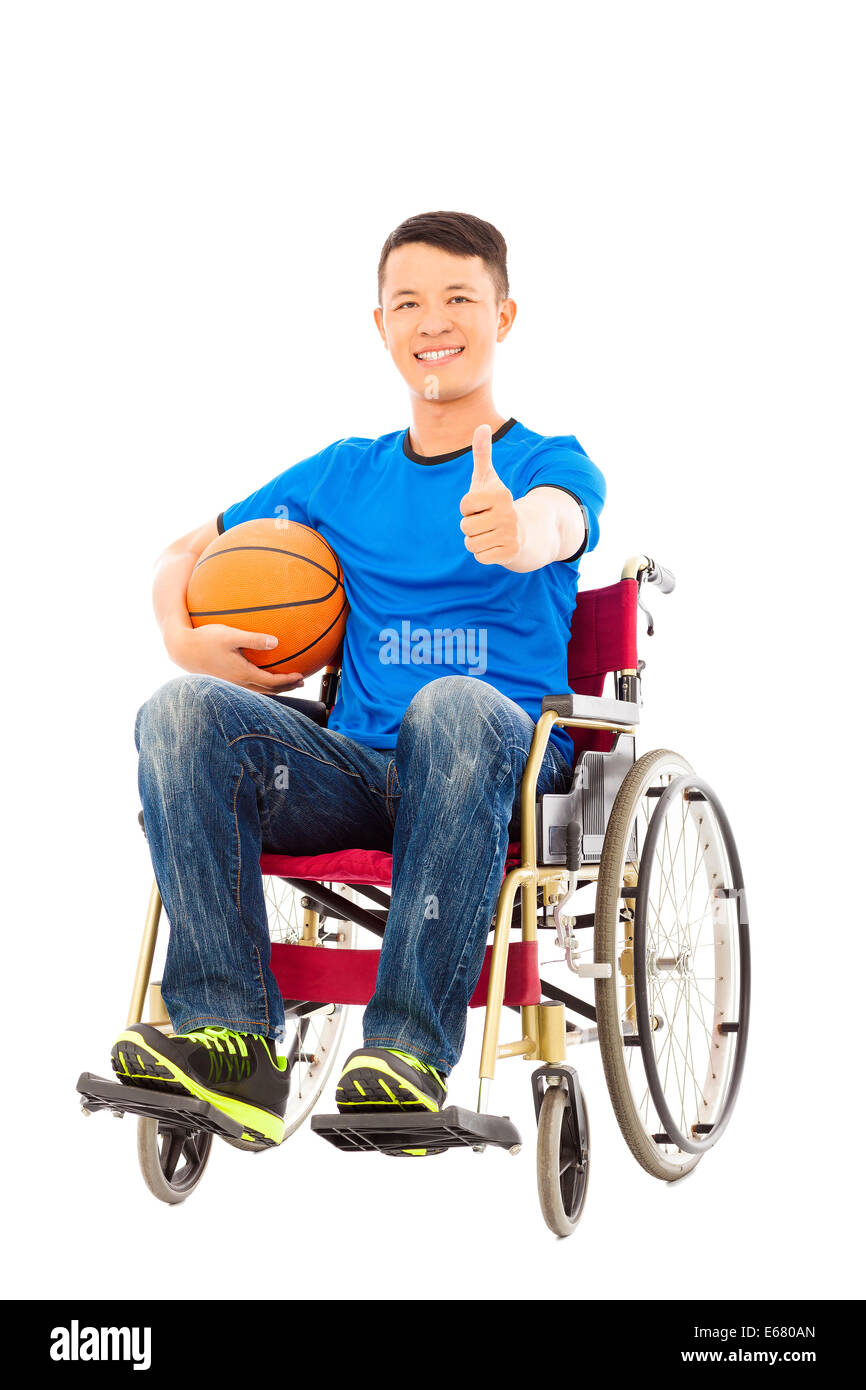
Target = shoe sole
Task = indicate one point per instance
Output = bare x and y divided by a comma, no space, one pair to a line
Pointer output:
137,1063
413,1153
374,1088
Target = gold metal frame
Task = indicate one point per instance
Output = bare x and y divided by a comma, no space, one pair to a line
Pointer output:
543,1025
145,959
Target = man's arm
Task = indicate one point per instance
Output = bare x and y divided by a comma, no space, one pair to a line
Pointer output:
214,649
553,528
170,580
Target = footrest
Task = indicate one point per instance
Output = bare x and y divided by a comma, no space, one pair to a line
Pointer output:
451,1128
185,1112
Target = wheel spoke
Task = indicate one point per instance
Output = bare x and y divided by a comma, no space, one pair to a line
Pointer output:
172,1151
192,1147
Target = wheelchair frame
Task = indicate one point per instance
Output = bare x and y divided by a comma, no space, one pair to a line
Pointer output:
553,826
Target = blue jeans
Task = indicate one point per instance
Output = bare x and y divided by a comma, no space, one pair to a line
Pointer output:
226,774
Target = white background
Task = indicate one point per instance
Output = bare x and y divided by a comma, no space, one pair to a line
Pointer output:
195,199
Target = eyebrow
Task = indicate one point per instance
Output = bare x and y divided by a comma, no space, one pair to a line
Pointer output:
397,293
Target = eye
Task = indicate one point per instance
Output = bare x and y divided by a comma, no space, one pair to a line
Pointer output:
459,296
407,304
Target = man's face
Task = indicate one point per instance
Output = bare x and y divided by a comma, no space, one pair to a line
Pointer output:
440,320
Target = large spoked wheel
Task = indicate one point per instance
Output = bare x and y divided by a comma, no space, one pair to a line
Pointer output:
563,1159
671,920
172,1159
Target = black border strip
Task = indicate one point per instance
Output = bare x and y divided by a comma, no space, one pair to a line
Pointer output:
577,554
445,458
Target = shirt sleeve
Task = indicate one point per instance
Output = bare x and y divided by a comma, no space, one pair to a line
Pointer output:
286,497
562,463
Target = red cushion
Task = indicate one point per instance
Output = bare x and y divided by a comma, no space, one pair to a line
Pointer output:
345,865
340,866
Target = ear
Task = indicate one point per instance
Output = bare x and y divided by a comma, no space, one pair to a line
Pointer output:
507,312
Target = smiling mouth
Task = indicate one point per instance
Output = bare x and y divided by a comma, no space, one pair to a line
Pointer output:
438,354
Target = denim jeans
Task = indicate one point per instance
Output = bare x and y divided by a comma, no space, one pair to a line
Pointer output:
226,774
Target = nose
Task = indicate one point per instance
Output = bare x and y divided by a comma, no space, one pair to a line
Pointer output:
434,324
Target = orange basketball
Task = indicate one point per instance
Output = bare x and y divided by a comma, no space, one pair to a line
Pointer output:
278,577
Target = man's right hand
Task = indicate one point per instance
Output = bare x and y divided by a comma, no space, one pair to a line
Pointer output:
215,650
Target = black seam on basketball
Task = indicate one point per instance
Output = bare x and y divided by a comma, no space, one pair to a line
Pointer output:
266,665
274,550
333,555
268,607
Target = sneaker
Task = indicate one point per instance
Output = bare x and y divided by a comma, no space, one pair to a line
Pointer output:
385,1080
240,1074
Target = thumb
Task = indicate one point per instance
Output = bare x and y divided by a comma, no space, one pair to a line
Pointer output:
257,641
483,472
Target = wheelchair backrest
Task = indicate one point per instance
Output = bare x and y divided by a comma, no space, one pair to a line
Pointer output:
603,639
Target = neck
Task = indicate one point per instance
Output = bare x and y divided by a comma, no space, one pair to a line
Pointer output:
442,427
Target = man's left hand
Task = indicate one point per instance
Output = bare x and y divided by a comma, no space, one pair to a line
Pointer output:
491,524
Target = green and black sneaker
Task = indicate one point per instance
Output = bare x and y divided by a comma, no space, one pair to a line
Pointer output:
240,1074
386,1080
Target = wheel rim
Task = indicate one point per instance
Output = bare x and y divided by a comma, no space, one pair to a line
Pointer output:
614,943
691,964
573,1161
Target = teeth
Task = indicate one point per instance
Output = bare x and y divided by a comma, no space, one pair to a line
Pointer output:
433,356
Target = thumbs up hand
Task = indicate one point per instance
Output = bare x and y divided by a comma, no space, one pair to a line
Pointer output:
491,524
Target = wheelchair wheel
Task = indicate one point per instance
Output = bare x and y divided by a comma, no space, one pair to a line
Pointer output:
313,1033
671,920
563,1160
172,1159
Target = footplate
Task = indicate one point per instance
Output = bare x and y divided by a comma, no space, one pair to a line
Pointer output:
183,1111
451,1128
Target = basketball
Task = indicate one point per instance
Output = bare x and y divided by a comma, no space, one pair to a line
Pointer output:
273,576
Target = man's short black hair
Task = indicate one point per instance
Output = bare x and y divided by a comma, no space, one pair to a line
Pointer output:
457,232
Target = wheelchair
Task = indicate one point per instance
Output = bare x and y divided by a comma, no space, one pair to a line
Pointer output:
642,844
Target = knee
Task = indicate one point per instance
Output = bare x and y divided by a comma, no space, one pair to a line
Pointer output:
463,711
176,714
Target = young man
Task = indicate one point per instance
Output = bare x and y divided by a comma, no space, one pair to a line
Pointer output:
466,524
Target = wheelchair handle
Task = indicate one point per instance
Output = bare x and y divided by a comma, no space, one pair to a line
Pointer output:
657,574
643,569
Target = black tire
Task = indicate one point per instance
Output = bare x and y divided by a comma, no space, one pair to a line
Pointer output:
710,1060
563,1163
172,1159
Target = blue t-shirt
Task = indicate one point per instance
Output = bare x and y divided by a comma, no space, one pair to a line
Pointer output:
420,604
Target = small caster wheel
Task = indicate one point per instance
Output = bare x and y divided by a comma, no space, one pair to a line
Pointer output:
172,1159
563,1160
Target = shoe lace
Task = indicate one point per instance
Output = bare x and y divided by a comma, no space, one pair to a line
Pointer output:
417,1064
230,1057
